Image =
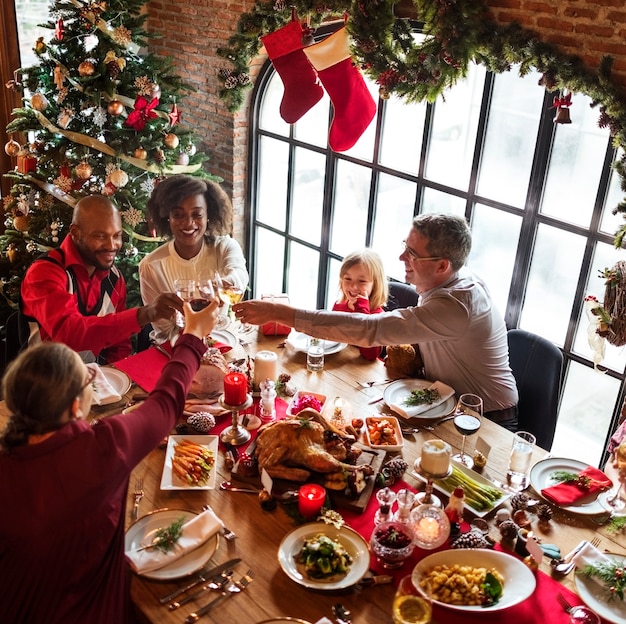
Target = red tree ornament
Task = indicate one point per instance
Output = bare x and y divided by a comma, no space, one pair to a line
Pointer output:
59,29
174,115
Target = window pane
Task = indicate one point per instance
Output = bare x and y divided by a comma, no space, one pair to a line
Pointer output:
575,165
554,270
349,222
615,357
453,136
610,222
495,235
268,262
585,414
269,117
405,120
312,127
272,191
333,290
438,202
302,276
394,213
510,138
308,195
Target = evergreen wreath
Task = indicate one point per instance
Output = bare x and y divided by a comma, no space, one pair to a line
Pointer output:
456,34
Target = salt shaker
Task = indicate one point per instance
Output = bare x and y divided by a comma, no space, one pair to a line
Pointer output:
386,498
267,404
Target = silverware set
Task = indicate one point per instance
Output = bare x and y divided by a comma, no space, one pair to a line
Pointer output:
566,565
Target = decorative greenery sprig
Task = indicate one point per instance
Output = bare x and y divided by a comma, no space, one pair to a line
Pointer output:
616,524
166,538
612,574
583,481
419,397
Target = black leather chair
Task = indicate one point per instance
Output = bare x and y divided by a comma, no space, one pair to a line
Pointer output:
537,366
401,295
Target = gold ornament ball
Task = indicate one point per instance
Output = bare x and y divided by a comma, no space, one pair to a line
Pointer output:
115,108
39,102
12,148
183,159
171,140
21,223
119,178
140,153
86,68
83,170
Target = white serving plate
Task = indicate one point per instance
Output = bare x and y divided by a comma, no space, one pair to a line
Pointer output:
593,594
395,393
294,399
540,478
354,544
300,342
141,533
519,580
393,421
474,475
169,481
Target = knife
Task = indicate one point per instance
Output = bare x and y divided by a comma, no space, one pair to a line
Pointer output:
218,581
202,578
236,588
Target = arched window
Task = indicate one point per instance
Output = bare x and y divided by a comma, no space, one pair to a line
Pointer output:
538,196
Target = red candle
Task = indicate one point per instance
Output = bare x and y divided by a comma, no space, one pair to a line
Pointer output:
235,389
311,498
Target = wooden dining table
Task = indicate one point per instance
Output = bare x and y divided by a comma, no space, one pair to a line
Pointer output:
272,594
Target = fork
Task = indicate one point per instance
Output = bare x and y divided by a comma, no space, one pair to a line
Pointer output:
369,384
138,494
567,607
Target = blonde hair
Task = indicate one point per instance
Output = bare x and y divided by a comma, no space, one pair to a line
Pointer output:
374,264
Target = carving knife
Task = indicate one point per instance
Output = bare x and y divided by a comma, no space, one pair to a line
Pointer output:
202,578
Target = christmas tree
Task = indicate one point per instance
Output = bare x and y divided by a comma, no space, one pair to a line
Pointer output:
100,115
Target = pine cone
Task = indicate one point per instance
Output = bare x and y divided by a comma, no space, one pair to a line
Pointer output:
183,429
113,70
202,422
508,530
544,513
473,539
393,470
519,501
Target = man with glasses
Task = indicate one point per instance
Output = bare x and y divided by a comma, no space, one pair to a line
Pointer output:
75,294
461,336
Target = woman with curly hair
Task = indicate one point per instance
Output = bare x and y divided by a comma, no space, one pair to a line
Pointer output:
196,216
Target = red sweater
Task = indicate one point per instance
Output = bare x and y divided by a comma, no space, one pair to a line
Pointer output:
362,306
64,507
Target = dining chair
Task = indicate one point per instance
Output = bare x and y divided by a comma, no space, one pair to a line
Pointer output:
537,366
401,295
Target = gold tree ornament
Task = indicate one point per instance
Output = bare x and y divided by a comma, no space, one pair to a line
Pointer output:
83,170
171,140
119,178
39,102
140,153
115,108
21,223
86,68
12,148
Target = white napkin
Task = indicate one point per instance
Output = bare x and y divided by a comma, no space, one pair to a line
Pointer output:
103,392
408,411
590,555
195,532
324,620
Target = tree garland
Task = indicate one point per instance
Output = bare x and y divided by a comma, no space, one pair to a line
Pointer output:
457,33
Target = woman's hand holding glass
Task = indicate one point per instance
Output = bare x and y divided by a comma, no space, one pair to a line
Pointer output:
200,323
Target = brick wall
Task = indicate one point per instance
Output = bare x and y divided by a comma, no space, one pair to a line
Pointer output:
192,31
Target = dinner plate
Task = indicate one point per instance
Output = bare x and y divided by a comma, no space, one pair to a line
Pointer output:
170,481
594,595
119,380
142,532
472,475
540,478
395,393
225,337
354,544
300,342
519,580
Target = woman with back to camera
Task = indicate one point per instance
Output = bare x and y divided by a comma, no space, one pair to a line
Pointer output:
197,216
64,481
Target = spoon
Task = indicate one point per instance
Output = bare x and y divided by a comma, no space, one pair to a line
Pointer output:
229,487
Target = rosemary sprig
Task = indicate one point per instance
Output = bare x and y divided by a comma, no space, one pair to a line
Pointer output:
166,538
616,524
563,476
612,574
419,397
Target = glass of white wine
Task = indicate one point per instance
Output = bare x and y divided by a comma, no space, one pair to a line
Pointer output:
409,605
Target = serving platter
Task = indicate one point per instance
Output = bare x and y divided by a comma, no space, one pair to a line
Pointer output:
396,393
142,532
519,580
169,481
355,545
540,478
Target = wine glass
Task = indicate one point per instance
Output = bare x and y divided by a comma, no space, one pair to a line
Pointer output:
186,290
467,419
409,606
615,500
223,320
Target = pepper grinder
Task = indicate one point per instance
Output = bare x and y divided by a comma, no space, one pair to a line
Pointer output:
386,498
267,411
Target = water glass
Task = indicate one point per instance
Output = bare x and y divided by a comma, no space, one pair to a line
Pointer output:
315,355
409,606
519,460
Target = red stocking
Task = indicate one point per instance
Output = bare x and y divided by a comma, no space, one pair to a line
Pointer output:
302,88
353,104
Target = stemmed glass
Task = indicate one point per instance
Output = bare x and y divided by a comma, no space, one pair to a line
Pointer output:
615,500
221,288
467,420
185,289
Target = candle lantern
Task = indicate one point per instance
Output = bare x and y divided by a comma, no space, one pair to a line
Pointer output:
235,399
431,527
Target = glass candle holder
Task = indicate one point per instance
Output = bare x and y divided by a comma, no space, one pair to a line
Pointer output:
431,527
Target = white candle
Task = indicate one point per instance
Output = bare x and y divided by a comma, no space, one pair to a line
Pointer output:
435,459
265,363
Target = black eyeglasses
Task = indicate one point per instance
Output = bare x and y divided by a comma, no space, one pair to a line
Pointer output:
91,375
413,254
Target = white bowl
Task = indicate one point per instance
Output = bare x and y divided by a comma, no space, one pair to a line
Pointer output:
393,421
519,581
294,399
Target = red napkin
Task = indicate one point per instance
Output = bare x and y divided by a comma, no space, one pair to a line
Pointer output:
571,493
145,367
224,348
